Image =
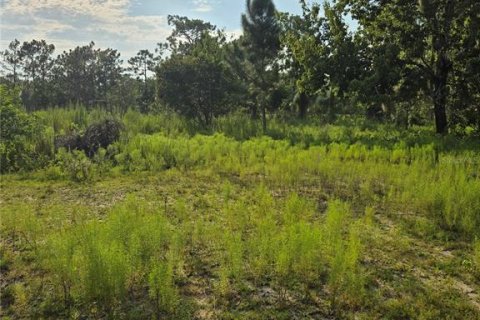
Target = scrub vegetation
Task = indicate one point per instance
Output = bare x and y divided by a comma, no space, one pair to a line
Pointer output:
340,220
304,170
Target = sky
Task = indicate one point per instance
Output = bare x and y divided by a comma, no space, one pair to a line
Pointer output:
125,25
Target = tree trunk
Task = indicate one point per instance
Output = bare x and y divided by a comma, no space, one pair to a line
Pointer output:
264,118
440,89
442,67
262,97
439,102
302,105
14,76
331,106
253,111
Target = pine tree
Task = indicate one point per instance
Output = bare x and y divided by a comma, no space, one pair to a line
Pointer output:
262,42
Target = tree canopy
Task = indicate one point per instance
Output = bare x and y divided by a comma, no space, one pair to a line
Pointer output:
406,62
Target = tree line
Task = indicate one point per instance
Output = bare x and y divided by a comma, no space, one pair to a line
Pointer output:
407,62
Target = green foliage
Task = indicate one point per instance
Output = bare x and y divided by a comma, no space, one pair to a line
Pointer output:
197,85
100,263
22,226
170,123
239,126
21,297
194,88
242,217
422,47
89,75
231,263
76,165
262,44
141,65
261,30
65,121
103,272
313,63
346,280
284,164
17,128
321,42
187,33
287,248
359,211
476,257
162,288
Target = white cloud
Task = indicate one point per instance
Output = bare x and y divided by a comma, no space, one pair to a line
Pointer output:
68,23
234,34
204,5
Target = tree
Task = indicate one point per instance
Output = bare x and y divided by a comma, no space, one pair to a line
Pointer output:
17,128
87,75
196,80
321,55
75,75
125,92
12,61
108,72
464,99
261,41
37,64
141,64
297,30
426,34
186,33
197,85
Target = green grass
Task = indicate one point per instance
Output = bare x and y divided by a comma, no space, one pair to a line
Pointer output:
351,220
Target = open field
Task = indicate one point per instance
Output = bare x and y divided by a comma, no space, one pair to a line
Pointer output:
284,160
343,221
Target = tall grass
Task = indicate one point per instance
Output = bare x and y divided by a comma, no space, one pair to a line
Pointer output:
144,252
102,262
419,178
140,251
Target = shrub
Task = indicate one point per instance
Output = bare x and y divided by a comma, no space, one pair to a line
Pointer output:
299,259
162,289
76,165
104,269
102,161
98,135
17,128
69,142
98,263
231,261
345,276
101,135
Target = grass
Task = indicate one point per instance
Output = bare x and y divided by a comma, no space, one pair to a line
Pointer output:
311,222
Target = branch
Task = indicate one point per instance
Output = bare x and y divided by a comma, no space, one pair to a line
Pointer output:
425,67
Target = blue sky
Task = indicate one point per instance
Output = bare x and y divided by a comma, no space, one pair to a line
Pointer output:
126,25
224,13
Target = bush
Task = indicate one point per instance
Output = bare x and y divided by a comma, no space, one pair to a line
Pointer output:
101,135
97,264
96,136
17,128
162,287
76,165
69,142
